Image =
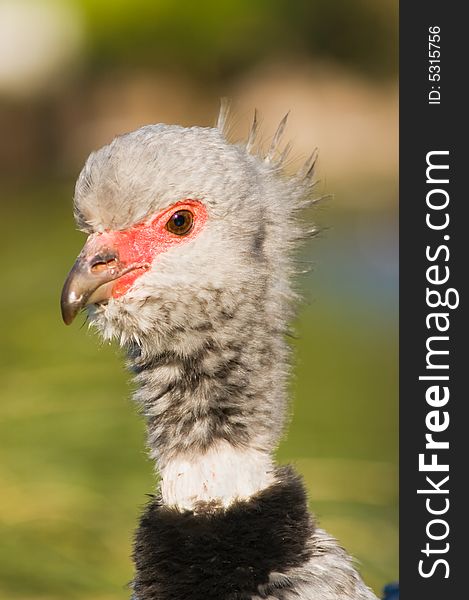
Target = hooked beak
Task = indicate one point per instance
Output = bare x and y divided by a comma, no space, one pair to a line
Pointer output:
92,277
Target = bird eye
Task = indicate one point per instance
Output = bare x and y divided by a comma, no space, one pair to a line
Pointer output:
180,222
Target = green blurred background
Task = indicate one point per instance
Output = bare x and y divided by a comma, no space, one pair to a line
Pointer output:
73,470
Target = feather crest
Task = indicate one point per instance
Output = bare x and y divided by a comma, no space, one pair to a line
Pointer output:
222,121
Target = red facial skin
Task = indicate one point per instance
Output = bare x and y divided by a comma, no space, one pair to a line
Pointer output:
142,243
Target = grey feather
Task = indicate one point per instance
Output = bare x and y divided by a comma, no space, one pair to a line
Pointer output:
222,121
307,171
276,139
252,138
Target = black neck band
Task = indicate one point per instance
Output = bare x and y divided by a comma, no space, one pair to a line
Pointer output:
218,554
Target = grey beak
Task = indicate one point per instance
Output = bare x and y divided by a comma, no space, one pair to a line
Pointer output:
89,281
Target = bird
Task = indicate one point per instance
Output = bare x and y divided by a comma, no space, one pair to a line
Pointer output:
189,264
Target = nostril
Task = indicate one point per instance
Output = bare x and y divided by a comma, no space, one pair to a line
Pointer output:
104,265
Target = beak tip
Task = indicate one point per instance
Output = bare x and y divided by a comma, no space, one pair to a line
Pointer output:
69,307
68,314
67,319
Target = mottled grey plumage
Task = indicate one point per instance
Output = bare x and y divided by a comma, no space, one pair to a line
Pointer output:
205,327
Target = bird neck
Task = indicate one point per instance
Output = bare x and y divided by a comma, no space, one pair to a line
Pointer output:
214,416
219,476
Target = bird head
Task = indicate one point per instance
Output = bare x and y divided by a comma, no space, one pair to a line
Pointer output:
185,230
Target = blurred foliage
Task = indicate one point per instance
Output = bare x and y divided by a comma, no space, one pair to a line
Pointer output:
74,473
214,40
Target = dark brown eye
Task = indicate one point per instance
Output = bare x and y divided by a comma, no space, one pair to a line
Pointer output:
180,222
